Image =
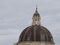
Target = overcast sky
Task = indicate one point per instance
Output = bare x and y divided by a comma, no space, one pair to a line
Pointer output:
16,15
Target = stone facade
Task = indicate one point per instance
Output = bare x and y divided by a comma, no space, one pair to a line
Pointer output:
35,43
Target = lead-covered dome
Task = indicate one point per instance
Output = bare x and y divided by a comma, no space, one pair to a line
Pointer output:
35,33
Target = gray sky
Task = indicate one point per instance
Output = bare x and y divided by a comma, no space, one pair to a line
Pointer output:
15,15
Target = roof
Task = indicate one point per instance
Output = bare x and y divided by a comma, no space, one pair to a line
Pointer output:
35,33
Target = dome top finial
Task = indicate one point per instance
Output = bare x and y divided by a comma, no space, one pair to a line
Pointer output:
36,8
36,11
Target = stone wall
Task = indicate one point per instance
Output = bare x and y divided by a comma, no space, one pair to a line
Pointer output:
35,43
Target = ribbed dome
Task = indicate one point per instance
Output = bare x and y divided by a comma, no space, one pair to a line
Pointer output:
35,33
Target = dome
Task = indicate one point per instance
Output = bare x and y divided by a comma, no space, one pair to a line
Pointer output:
35,33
